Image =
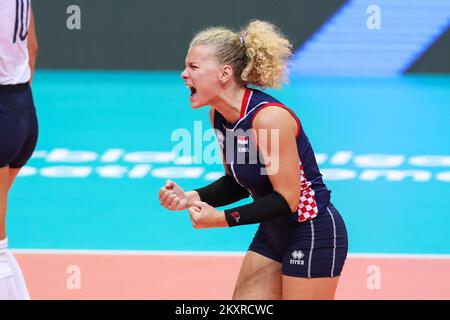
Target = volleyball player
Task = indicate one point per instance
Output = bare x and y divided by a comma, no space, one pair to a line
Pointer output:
300,247
18,123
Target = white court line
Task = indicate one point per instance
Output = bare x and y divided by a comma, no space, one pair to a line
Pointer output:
131,252
423,256
217,253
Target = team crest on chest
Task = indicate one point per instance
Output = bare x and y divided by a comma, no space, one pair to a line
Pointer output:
242,143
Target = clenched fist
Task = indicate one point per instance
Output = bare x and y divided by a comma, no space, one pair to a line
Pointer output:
172,197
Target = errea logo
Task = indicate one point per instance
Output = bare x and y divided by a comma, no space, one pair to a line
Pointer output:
297,256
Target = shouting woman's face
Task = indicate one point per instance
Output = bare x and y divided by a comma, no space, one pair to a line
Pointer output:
202,75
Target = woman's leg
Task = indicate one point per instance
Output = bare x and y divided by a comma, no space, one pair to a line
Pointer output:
7,176
4,187
8,289
259,279
12,283
13,172
295,288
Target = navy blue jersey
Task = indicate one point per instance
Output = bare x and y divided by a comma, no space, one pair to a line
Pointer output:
245,162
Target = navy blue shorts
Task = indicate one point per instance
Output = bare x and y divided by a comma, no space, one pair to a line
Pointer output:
312,249
18,125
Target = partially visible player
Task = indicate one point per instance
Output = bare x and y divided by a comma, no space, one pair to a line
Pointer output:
18,123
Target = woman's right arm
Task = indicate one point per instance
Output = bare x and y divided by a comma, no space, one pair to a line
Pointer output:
223,191
193,195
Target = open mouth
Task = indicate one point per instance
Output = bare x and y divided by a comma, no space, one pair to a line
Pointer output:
193,91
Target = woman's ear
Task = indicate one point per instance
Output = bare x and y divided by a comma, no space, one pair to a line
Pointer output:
227,73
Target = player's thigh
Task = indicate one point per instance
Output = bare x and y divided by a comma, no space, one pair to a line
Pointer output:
13,172
259,278
295,288
4,183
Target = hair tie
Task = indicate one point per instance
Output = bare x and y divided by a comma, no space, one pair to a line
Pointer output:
242,37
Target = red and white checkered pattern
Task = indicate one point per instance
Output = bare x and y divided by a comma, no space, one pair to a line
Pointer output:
307,208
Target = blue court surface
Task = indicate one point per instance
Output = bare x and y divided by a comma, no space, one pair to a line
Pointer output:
105,149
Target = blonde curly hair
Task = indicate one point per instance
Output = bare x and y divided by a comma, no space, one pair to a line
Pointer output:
258,54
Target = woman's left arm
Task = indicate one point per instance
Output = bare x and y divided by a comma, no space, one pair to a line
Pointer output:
276,130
